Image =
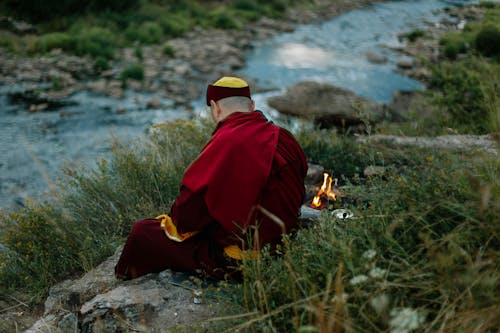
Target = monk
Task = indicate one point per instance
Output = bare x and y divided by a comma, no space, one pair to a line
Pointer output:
242,192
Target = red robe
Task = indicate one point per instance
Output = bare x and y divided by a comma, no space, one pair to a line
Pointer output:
248,163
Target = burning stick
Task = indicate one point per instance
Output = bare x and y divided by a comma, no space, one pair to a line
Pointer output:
325,190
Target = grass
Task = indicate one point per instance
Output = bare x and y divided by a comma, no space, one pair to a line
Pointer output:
424,248
97,32
421,253
423,241
93,210
463,93
135,71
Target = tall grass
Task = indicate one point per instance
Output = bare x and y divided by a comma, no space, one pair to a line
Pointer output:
467,91
463,89
423,255
90,214
421,252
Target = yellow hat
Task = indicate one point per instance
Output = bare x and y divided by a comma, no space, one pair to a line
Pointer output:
227,86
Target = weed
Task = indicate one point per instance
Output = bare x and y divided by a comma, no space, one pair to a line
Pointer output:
338,154
175,25
55,40
415,34
461,89
488,41
88,217
168,50
453,45
135,71
101,64
96,42
424,251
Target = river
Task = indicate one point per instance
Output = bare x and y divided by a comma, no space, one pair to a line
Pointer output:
34,146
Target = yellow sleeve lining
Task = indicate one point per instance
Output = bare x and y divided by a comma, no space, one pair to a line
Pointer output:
171,230
232,251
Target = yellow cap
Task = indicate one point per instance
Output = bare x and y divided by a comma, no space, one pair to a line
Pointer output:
230,82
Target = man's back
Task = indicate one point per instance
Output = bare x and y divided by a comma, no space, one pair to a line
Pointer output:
284,192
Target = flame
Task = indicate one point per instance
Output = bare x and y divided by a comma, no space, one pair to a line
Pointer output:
325,190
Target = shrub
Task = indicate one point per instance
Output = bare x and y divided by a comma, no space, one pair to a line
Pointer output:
150,32
146,33
223,20
415,34
174,25
168,50
135,72
101,64
279,6
39,11
487,4
338,154
453,45
140,180
96,42
40,252
488,41
247,5
9,41
138,53
460,93
55,40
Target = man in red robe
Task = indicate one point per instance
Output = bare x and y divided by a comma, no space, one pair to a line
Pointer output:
243,192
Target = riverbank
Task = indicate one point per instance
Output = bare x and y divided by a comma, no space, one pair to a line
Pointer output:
391,213
177,69
199,57
57,108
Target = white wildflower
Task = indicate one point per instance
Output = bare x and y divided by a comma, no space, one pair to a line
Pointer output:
358,279
342,297
405,320
308,329
377,273
380,303
369,254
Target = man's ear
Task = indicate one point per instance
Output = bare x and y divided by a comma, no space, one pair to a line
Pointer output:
216,110
252,109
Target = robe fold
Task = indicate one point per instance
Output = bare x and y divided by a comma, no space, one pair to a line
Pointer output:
234,167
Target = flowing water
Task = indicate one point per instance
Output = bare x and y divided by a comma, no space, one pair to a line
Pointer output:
34,146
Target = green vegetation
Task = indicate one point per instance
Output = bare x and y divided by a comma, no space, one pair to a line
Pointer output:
463,94
135,72
340,155
39,11
97,28
415,34
488,41
424,240
468,89
93,210
482,37
454,44
168,50
424,245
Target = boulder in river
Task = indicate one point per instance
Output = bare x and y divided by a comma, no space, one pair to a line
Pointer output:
327,105
37,99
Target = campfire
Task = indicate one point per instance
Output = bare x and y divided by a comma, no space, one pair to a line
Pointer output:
325,193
